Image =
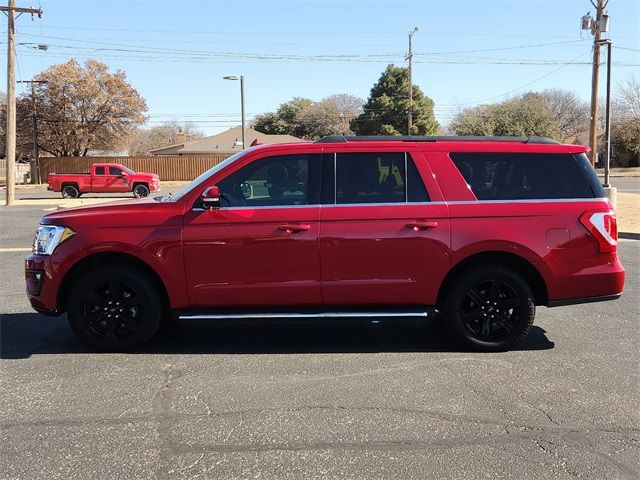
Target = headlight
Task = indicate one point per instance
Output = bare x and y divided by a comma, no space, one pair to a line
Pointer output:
48,237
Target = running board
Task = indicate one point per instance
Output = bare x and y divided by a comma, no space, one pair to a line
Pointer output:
423,313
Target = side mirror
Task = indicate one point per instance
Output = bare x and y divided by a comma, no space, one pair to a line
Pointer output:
211,198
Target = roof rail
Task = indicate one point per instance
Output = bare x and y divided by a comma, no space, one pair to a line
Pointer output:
438,138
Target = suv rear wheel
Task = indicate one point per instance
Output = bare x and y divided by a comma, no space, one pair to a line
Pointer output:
490,308
114,308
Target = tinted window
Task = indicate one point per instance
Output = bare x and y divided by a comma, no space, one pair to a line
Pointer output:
377,177
273,181
519,176
115,171
591,175
99,170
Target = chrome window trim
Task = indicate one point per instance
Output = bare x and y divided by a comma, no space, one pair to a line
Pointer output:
404,204
530,200
389,204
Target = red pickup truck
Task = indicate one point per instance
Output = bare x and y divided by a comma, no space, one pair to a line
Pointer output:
104,178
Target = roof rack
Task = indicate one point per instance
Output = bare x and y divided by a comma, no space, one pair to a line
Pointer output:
438,138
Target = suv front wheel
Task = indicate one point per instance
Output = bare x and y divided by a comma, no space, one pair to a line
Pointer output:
114,308
490,308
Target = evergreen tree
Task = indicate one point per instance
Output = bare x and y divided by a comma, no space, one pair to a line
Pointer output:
385,112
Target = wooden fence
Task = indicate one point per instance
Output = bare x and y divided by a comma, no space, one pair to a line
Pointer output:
168,168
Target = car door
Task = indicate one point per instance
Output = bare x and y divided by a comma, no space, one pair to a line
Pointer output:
260,248
99,179
384,237
117,180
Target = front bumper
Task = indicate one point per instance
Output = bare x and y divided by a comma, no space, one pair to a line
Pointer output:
42,280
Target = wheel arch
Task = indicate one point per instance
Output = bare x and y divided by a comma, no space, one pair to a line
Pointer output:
106,258
511,260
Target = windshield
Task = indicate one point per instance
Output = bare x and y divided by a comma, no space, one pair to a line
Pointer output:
204,177
128,170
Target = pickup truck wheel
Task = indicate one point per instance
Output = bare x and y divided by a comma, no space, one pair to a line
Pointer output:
114,308
140,191
70,191
490,308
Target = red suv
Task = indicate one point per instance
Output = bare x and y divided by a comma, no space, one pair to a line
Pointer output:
480,229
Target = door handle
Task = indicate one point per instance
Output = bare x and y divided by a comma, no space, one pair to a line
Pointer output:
417,226
294,228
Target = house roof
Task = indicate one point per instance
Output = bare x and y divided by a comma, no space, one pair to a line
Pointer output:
226,142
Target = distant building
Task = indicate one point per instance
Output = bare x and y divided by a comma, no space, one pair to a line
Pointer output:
227,142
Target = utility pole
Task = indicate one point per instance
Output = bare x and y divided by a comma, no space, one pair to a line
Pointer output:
10,11
34,117
607,128
409,57
597,27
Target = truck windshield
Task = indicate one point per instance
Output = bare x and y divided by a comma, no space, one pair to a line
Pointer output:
204,177
128,170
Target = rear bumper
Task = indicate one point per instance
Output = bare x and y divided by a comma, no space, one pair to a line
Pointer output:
591,283
575,301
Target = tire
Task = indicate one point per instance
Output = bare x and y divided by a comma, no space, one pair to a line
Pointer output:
114,308
490,308
140,190
70,191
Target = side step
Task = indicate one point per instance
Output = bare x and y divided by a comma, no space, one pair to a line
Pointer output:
235,315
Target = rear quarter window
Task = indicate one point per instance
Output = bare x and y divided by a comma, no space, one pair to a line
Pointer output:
523,176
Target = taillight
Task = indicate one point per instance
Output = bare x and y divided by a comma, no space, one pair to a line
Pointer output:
604,227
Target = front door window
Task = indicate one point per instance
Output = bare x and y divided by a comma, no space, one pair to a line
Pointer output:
273,181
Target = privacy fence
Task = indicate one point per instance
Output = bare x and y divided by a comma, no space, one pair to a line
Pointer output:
169,168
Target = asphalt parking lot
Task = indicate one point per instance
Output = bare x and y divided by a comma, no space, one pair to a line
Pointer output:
346,399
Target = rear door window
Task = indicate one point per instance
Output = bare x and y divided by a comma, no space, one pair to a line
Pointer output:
99,170
523,176
372,177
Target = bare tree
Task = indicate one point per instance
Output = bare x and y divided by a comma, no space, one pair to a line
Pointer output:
626,117
146,139
83,108
569,111
330,116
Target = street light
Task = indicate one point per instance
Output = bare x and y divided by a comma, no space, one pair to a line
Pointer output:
241,78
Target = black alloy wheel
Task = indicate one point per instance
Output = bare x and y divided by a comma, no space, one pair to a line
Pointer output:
70,191
490,308
114,308
140,191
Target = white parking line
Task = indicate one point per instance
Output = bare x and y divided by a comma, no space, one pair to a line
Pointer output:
15,249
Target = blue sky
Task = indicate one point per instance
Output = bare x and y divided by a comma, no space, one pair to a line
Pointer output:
467,52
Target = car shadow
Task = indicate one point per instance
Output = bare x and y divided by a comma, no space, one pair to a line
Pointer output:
25,334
